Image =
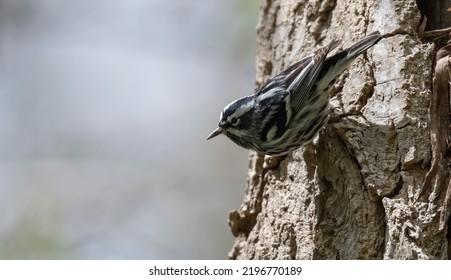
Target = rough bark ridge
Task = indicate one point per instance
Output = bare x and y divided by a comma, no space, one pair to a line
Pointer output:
350,194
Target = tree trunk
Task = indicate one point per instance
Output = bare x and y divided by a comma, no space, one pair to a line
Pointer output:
351,193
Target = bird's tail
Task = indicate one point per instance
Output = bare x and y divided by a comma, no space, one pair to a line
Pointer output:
363,44
336,64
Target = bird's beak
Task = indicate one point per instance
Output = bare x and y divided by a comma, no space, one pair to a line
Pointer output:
215,133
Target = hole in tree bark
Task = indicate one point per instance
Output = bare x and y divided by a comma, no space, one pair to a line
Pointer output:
436,12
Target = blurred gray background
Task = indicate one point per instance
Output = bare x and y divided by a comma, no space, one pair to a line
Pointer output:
104,110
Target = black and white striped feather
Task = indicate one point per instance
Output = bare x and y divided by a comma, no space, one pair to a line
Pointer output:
293,106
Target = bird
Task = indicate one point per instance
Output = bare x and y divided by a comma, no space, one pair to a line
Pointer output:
290,108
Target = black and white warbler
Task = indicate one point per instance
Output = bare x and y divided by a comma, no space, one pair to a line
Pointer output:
291,107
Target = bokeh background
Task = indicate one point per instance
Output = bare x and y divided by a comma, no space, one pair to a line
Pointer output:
104,110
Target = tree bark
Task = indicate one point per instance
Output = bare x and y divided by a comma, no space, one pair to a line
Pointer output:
351,193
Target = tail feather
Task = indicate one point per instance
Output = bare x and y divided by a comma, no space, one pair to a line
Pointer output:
336,64
364,43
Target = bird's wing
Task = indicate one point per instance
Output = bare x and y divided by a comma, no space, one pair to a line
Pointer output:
285,78
306,76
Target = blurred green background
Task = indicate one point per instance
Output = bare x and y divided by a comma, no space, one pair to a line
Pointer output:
104,110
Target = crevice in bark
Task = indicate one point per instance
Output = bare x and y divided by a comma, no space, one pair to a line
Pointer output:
267,13
399,184
382,246
448,237
350,153
366,93
439,121
368,90
436,12
323,227
267,69
323,18
266,5
293,245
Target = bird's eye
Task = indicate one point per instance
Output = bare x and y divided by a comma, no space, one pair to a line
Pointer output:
234,121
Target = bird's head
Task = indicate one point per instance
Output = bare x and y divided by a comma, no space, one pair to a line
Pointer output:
235,120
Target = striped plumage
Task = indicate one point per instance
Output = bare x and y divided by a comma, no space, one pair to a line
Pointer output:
290,108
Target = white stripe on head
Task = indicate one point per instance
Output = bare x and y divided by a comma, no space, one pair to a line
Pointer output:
238,107
240,111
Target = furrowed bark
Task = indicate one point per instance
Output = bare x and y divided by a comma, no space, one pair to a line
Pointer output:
354,192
